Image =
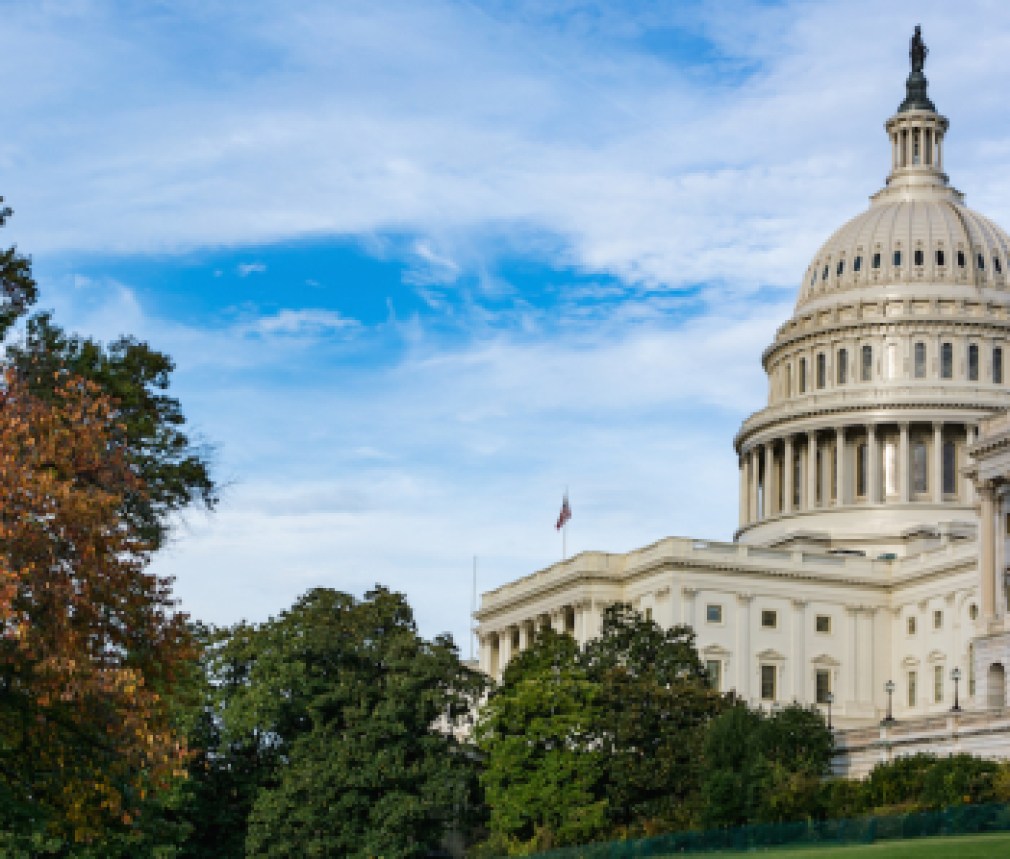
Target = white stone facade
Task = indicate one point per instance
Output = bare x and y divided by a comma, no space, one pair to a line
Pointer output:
874,489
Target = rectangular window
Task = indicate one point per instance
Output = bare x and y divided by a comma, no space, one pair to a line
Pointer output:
937,684
866,370
997,366
797,478
937,619
862,469
768,682
897,259
919,353
822,370
843,366
949,468
939,258
713,670
973,362
823,623
920,468
910,625
912,682
713,613
823,685
947,361
876,261
769,619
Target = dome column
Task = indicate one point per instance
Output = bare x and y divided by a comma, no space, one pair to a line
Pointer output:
787,475
811,500
903,462
840,467
752,456
873,455
938,462
744,512
766,493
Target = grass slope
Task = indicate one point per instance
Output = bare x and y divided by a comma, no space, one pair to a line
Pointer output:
960,846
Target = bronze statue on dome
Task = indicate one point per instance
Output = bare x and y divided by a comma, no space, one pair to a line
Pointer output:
918,50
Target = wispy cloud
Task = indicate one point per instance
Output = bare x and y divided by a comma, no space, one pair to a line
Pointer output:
247,268
301,323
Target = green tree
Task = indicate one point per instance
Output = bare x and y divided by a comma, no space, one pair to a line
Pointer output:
544,769
654,705
337,712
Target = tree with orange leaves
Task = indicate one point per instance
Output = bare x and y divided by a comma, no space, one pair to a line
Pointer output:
90,644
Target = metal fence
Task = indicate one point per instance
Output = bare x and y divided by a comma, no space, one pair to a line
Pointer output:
956,820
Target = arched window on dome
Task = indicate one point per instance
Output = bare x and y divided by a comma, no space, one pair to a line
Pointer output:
997,266
919,361
981,262
866,370
997,365
843,366
973,362
919,257
947,361
920,470
897,259
857,264
960,259
940,261
822,370
949,468
824,274
876,261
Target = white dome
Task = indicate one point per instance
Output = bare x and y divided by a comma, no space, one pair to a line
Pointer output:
909,241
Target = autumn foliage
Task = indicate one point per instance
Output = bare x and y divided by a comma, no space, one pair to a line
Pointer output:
89,642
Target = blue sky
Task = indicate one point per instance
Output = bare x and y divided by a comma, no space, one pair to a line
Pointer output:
423,265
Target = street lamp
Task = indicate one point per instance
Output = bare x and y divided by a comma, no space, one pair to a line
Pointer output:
828,699
955,675
889,689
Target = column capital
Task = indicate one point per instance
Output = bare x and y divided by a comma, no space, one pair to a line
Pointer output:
800,604
689,591
745,598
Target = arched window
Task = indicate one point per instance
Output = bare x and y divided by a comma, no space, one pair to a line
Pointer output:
866,370
960,259
973,362
997,266
939,257
876,260
843,366
857,263
840,268
949,468
981,262
822,370
919,363
947,361
997,365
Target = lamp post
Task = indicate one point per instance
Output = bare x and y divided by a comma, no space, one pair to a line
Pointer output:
889,689
828,699
955,675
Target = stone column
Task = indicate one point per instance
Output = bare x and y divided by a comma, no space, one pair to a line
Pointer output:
504,648
767,493
787,476
987,553
754,476
938,463
873,469
841,470
743,666
903,463
799,650
852,669
744,513
524,636
486,654
811,500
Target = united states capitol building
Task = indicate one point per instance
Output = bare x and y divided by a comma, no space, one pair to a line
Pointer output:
868,573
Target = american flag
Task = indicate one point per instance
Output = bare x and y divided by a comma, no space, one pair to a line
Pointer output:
565,514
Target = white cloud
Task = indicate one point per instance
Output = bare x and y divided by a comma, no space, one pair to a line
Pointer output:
301,323
247,268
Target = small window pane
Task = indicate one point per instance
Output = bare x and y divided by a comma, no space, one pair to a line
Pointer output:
939,258
918,257
949,468
997,365
897,259
857,263
866,371
840,268
769,619
947,361
823,623
937,619
960,259
713,670
876,260
823,677
768,682
713,613
920,361
910,625
973,362
919,467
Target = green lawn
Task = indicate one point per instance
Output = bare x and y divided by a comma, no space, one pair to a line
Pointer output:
959,846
